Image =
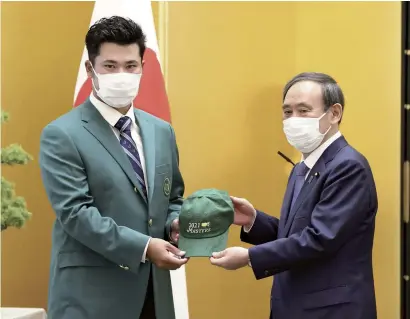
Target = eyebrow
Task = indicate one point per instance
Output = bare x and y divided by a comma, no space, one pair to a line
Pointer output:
110,61
285,106
115,62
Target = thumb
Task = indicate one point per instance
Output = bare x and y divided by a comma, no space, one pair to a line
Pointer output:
233,198
175,224
217,258
175,250
219,254
238,201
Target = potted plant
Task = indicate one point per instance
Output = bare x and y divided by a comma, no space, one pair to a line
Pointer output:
14,211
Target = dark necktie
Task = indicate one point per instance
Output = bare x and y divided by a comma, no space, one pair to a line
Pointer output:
130,148
300,171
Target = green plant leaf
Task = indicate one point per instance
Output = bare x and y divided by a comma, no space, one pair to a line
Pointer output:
14,212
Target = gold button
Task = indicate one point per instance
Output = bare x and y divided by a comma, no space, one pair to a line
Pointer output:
124,267
136,189
150,222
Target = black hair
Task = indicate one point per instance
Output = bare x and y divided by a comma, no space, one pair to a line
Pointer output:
331,91
118,30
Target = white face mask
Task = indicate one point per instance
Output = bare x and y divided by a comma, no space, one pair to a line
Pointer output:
117,89
303,133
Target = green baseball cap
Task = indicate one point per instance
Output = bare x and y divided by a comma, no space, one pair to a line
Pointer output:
204,222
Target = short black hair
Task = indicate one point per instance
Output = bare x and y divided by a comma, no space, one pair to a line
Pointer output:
118,30
331,91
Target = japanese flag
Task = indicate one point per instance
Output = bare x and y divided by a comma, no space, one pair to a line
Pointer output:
151,98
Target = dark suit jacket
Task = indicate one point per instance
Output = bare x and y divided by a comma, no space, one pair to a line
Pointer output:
322,255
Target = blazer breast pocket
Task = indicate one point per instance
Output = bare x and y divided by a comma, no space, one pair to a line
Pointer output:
162,169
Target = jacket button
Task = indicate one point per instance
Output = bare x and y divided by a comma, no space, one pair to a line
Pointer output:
124,267
150,222
267,273
136,189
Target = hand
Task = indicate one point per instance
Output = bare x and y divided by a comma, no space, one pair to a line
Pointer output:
174,236
244,212
164,255
231,258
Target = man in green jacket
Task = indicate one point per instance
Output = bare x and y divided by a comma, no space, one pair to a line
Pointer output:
111,174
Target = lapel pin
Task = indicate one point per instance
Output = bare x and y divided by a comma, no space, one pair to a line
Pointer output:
317,174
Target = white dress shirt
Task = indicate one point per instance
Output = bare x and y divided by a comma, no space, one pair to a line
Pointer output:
310,161
313,157
112,116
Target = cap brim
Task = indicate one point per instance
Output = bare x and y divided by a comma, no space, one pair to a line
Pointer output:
203,247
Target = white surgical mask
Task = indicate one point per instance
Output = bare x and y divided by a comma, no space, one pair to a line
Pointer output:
117,89
303,133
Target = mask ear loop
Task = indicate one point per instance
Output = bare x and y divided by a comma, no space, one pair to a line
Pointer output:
330,126
93,84
92,78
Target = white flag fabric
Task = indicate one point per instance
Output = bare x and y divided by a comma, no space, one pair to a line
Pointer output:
151,97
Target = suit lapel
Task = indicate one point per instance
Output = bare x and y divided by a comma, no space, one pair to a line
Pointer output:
94,123
147,132
286,203
312,178
304,192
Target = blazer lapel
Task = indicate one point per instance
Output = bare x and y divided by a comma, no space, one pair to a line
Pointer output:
304,192
147,132
102,131
286,204
312,178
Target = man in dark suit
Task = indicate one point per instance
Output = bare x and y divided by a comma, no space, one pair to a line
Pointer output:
111,173
320,250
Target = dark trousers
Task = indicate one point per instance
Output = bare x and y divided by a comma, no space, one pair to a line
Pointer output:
148,310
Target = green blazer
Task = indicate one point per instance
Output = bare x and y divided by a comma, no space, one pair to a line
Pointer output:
103,221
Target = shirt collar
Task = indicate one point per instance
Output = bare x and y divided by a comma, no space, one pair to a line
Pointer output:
313,157
110,114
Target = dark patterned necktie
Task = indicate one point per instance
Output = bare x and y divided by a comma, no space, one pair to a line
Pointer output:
300,171
130,148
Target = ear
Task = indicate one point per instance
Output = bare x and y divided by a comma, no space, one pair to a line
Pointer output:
336,111
89,68
143,63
